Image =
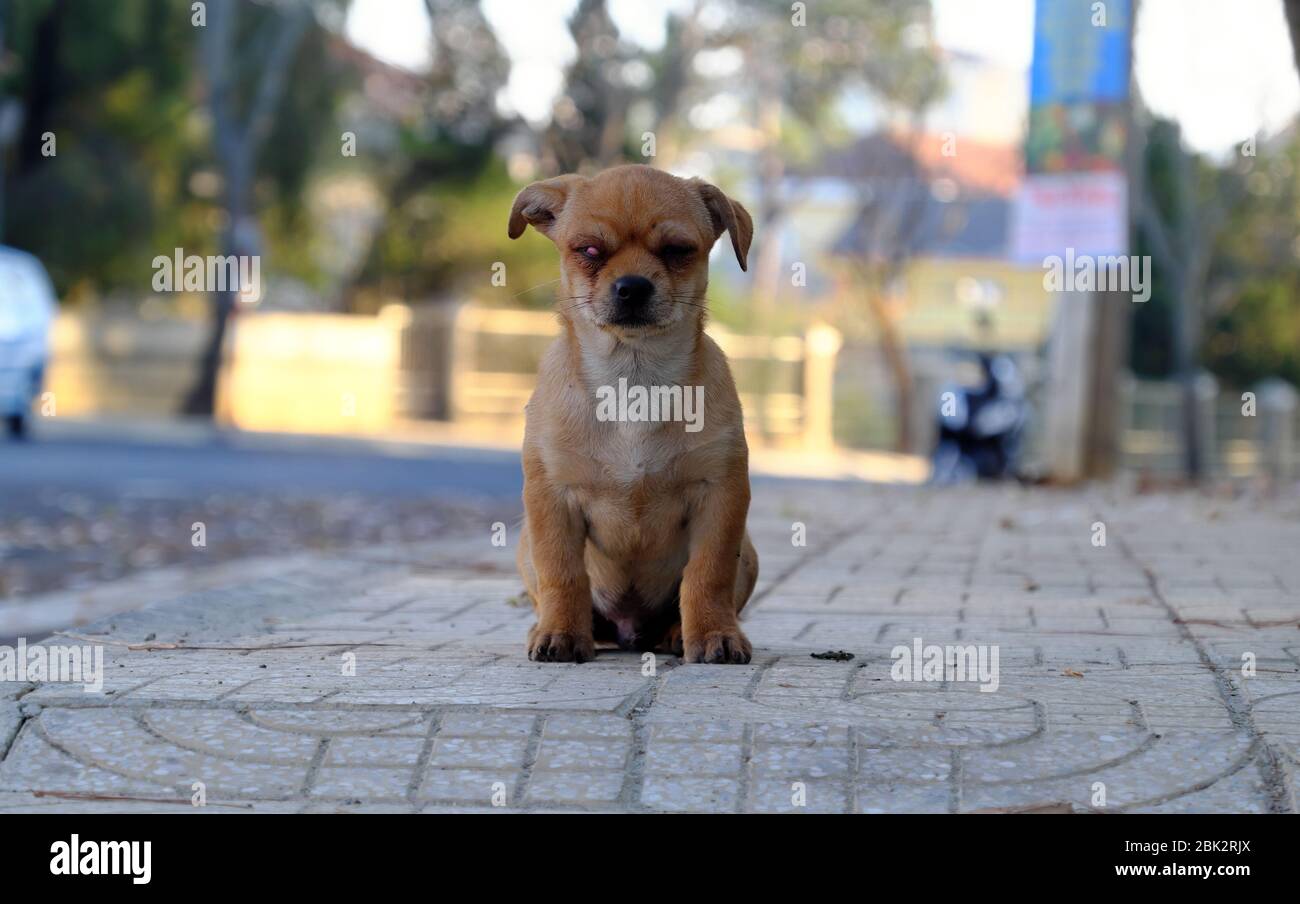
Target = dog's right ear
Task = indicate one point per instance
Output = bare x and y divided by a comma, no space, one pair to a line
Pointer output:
539,204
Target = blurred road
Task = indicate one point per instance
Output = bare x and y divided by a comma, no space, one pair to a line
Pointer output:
80,510
83,505
175,470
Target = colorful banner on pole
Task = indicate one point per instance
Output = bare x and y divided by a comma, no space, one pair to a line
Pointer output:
1075,193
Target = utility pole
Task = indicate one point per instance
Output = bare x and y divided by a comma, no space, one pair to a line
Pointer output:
1113,312
6,113
1075,209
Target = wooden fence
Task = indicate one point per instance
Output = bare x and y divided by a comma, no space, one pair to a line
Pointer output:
346,373
476,366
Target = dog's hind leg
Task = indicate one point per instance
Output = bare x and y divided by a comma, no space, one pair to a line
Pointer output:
746,573
524,562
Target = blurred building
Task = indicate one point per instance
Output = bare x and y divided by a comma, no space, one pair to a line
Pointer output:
927,205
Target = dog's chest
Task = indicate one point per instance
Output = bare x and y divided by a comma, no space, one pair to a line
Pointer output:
638,426
633,453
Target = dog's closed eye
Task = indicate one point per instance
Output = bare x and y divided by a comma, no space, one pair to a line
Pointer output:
675,253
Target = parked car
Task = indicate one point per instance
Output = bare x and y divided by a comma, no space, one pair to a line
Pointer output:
27,307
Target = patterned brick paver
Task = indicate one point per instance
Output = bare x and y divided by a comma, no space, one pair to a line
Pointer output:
394,679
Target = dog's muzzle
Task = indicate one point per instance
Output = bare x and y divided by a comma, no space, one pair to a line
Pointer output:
630,297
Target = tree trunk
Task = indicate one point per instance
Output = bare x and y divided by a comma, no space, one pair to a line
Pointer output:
767,263
894,353
4,144
43,93
201,401
236,148
1110,343
771,208
1293,23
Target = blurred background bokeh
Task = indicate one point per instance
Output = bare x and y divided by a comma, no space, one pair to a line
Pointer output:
367,151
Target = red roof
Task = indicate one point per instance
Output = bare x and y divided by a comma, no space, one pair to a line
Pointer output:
993,168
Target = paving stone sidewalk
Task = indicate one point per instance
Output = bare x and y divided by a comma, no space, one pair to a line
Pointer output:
1120,684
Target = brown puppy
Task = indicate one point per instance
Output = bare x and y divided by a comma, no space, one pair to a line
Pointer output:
634,530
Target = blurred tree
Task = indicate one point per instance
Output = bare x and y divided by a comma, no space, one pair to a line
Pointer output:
249,53
588,129
131,161
254,83
1179,216
894,191
1152,345
108,84
9,113
673,77
1252,329
1293,23
1227,266
798,62
446,167
469,69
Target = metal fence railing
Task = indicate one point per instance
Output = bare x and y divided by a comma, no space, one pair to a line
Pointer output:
1241,434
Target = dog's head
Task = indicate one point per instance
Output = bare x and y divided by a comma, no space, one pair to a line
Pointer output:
634,243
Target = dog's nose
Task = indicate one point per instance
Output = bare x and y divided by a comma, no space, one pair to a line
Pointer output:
632,291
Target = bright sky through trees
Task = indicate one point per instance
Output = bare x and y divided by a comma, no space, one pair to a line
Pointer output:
1223,70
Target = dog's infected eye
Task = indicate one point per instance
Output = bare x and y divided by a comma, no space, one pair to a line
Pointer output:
591,252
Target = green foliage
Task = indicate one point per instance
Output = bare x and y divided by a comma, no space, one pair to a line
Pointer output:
447,193
1259,334
1253,329
304,138
109,81
1249,306
447,237
120,86
1151,335
1151,349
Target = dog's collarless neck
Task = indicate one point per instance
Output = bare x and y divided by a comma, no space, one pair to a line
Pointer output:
662,361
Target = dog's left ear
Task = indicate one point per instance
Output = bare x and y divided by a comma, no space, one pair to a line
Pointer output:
729,215
539,204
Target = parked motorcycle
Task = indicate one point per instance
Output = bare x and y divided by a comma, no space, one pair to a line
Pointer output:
981,427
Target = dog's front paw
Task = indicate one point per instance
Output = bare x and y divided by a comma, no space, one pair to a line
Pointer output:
726,646
559,646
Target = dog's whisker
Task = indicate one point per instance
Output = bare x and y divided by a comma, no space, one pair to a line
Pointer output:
689,299
538,286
